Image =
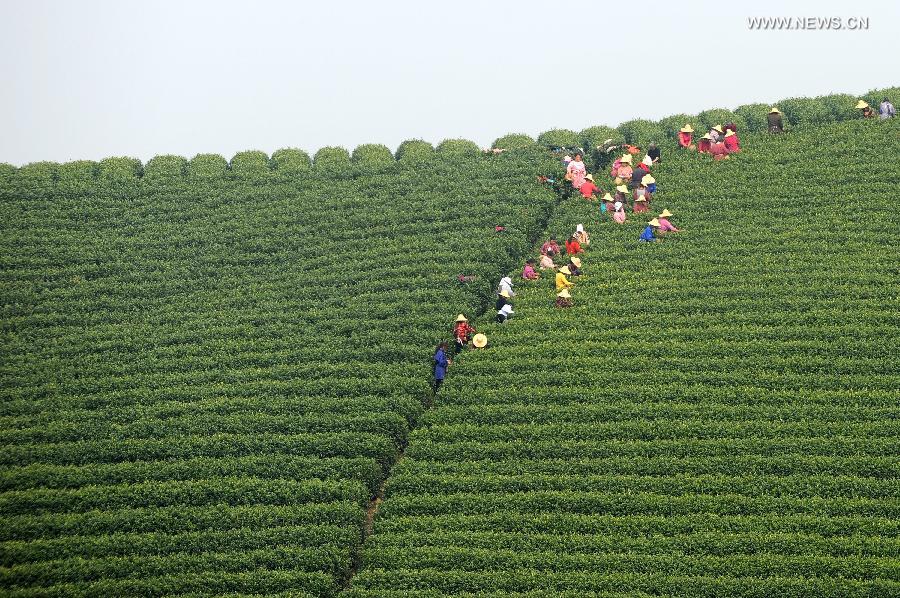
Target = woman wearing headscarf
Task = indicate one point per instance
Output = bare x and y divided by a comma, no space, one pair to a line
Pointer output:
505,285
581,235
503,313
619,215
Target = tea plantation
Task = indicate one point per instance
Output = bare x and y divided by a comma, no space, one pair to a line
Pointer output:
716,416
210,368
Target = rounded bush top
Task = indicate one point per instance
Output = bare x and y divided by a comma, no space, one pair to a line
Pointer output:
559,138
250,163
513,141
165,167
414,149
755,115
78,172
7,172
291,160
641,131
38,173
331,157
207,166
120,169
372,153
458,147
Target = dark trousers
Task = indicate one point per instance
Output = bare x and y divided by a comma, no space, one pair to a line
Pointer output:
437,384
459,346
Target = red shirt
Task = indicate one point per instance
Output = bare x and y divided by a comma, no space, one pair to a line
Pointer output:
462,330
573,247
685,139
588,189
732,144
546,247
703,145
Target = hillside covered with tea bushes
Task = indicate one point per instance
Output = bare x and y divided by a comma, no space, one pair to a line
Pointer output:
210,368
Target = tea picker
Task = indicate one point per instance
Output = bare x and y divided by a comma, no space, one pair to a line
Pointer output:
441,363
776,125
647,235
462,332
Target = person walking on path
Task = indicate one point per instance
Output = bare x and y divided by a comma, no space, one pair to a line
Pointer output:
441,363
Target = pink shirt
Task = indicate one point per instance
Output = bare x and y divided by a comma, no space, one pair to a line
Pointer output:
619,217
625,172
578,172
666,226
547,262
528,272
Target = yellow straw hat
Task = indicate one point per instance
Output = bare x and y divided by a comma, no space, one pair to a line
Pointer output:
576,261
718,128
504,293
860,104
626,158
607,197
707,136
774,110
647,160
589,177
622,188
665,214
640,198
654,222
687,129
565,270
729,133
647,180
564,294
479,340
461,318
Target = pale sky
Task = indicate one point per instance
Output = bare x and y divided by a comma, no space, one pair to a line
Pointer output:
90,79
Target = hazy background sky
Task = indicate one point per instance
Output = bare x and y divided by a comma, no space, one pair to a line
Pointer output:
90,79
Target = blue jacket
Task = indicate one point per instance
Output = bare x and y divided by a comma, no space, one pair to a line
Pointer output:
440,364
647,235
